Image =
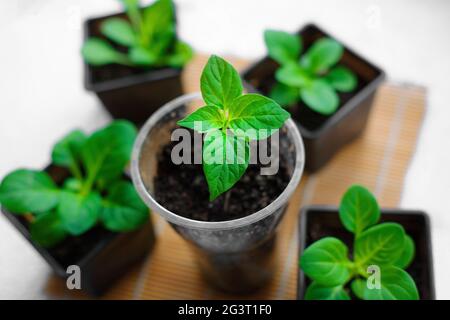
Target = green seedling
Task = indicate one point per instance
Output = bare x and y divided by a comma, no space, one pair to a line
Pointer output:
149,35
230,120
381,252
312,77
95,192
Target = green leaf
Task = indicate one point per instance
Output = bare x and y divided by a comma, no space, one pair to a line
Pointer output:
320,97
78,213
292,75
256,116
358,287
407,255
380,245
225,159
181,55
98,52
284,95
72,184
396,284
283,47
66,152
358,209
322,55
142,57
123,210
133,13
220,83
158,25
326,262
158,31
342,79
25,191
107,151
206,119
317,291
119,30
47,229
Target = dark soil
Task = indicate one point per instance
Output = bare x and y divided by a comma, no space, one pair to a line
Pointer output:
304,115
183,190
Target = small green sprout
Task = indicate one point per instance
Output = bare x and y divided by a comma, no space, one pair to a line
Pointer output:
95,192
149,35
383,246
230,120
312,77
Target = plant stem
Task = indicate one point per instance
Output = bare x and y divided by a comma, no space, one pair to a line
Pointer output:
227,201
87,186
75,170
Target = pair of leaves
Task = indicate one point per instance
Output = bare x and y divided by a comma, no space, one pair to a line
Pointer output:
230,120
396,284
311,77
97,163
385,245
359,211
150,37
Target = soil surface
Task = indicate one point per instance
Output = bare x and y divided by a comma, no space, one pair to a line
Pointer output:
183,190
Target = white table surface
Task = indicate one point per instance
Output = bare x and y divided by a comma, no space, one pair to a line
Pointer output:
41,93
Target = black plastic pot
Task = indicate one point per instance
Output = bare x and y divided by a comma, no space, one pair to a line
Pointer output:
128,92
317,222
322,135
103,256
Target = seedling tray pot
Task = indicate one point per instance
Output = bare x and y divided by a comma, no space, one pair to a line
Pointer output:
324,136
236,255
317,222
102,256
128,92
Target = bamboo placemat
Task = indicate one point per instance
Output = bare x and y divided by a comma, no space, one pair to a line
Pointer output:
378,159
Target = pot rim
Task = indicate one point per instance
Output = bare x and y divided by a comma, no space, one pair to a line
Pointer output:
196,224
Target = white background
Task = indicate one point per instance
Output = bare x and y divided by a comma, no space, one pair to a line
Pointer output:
41,93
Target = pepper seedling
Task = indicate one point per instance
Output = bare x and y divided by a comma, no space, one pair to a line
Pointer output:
230,120
312,77
384,249
95,192
149,35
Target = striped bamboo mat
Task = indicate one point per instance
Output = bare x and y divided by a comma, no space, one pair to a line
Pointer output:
379,160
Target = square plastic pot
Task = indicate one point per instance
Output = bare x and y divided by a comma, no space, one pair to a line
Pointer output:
102,256
317,222
323,136
127,92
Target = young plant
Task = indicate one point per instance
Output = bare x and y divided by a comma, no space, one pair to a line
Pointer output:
230,120
312,77
384,249
149,35
95,192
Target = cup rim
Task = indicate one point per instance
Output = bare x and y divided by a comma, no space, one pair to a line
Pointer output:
174,218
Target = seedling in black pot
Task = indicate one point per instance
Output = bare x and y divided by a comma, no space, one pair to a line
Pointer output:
91,195
375,268
313,77
327,88
134,60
